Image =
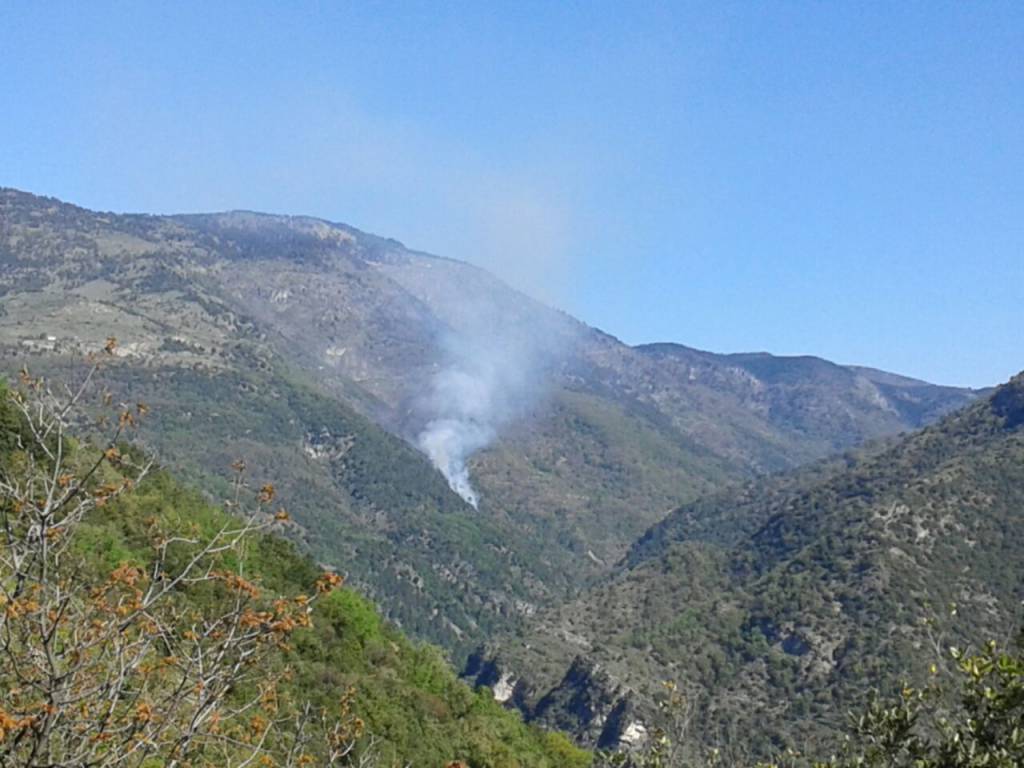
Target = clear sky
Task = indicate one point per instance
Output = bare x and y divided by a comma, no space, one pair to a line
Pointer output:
843,179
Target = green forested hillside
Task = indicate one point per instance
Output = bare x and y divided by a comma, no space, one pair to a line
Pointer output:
779,605
411,709
308,347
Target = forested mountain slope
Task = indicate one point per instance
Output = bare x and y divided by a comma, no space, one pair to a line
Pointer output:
318,353
175,632
777,605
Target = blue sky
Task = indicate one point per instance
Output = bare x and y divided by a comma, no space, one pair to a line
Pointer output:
843,179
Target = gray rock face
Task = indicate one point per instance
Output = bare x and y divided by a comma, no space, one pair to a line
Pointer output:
485,670
587,704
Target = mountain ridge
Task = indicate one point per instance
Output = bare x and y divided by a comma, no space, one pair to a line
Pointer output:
779,604
305,335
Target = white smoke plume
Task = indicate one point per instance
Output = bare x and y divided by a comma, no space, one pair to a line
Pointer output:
493,361
449,443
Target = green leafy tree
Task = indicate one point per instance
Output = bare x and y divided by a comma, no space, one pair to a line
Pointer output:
151,661
970,718
983,728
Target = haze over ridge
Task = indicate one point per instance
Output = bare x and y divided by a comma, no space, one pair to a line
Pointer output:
802,179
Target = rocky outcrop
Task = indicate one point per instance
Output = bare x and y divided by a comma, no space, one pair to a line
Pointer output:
484,669
590,705
587,703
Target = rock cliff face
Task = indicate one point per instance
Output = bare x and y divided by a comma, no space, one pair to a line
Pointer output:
487,670
590,705
586,703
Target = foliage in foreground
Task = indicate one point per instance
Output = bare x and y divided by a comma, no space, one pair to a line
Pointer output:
139,626
970,716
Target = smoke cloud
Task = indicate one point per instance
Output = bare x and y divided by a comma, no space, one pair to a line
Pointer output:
493,361
449,443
